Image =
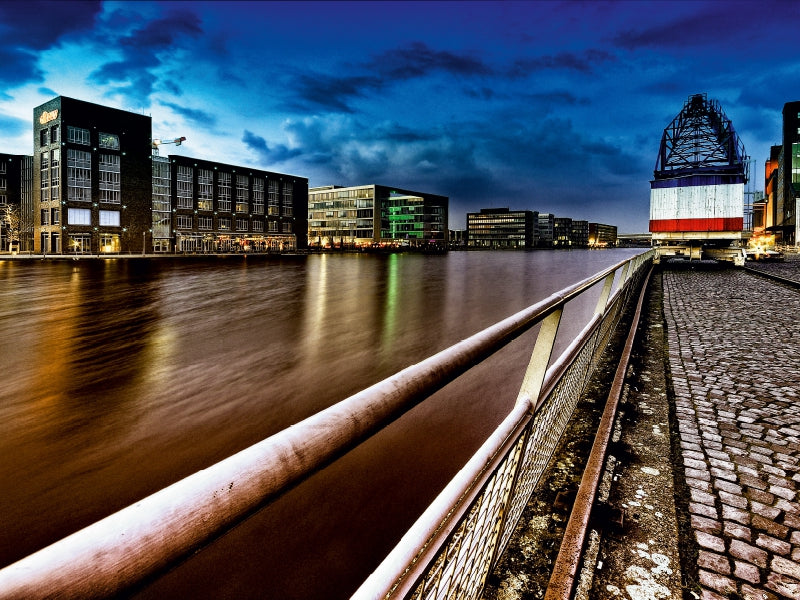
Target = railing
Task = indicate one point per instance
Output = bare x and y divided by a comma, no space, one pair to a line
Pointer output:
453,546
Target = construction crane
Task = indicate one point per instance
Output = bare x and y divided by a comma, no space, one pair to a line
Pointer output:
157,142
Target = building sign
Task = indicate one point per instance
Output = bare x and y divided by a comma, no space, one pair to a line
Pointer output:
48,116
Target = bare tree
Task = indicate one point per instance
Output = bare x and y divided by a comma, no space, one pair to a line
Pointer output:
11,220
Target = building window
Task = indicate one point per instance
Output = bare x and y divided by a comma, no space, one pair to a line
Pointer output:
204,223
273,198
258,225
109,178
242,193
55,174
184,222
79,175
185,191
205,189
287,228
55,216
44,137
45,216
242,225
258,196
76,135
224,224
45,176
79,216
224,192
108,140
109,218
287,198
273,226
54,134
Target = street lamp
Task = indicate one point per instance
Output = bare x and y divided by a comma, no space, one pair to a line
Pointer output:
144,233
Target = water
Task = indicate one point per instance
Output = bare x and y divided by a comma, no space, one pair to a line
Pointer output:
121,377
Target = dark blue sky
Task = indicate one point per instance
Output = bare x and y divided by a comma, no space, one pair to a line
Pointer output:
553,106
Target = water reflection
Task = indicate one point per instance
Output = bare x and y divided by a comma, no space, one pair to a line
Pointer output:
125,376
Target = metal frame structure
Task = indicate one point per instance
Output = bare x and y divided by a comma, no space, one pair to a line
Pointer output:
700,139
451,549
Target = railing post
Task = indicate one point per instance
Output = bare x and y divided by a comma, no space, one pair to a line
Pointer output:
540,359
608,284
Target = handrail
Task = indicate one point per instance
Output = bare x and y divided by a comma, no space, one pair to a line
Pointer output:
139,542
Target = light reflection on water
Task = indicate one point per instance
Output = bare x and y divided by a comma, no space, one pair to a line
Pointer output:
121,377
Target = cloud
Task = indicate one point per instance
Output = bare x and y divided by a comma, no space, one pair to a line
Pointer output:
585,63
277,154
142,49
336,93
194,115
13,127
418,60
28,28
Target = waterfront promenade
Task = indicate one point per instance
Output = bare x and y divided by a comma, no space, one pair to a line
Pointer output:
731,384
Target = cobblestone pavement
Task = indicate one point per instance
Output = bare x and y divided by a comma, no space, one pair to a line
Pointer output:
734,356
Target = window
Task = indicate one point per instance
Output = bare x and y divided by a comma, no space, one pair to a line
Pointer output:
258,196
185,191
109,218
79,175
184,222
224,192
76,135
79,216
108,140
273,226
55,173
109,178
55,216
242,193
258,226
273,199
204,223
54,134
45,216
205,189
224,224
242,225
287,228
44,137
45,176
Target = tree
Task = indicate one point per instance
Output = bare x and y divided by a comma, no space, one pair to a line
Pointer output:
11,221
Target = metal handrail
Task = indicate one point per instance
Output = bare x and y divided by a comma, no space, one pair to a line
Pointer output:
139,542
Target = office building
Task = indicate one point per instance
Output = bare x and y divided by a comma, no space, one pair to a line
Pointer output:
100,185
546,222
91,177
502,228
602,236
782,180
227,208
16,202
375,215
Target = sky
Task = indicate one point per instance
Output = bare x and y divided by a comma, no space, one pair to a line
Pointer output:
550,106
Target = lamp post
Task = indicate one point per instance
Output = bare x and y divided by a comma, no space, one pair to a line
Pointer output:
144,233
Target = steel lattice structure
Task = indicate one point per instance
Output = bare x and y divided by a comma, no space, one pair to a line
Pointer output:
700,140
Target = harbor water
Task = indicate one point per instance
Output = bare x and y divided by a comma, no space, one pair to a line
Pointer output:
122,376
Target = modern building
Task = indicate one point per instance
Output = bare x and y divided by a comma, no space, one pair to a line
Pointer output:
375,215
100,186
546,230
782,180
16,202
226,208
604,236
502,228
92,181
579,233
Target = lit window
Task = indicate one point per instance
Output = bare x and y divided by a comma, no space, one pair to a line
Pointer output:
108,140
109,218
76,135
79,216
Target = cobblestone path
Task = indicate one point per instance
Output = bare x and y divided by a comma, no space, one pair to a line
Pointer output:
734,355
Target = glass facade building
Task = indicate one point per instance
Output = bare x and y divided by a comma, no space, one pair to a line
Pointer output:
375,215
502,228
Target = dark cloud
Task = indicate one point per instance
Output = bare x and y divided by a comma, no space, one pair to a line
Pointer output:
418,60
335,93
269,156
142,51
585,62
194,115
28,28
716,24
